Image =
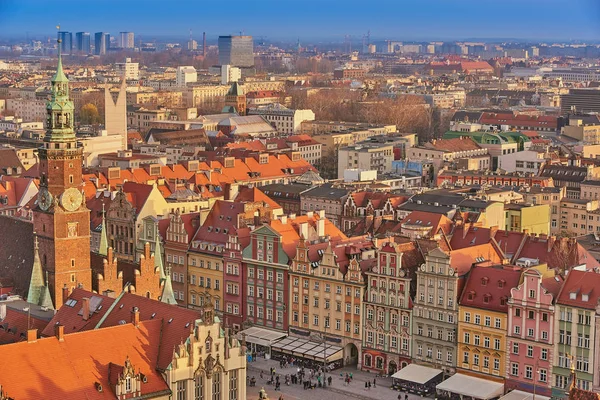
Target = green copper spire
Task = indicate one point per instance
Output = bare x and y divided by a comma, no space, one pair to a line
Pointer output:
37,276
168,296
45,298
59,109
103,249
158,258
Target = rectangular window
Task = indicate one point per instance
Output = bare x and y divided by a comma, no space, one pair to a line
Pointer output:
514,369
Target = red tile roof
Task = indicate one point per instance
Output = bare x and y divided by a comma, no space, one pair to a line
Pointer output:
51,369
579,284
14,326
489,288
173,332
427,219
453,145
463,259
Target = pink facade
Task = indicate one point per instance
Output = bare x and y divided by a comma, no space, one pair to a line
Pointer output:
530,334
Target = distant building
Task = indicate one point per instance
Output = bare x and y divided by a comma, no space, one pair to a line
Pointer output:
237,51
83,42
115,114
66,42
349,73
101,43
366,156
185,74
126,40
580,100
285,120
230,74
129,69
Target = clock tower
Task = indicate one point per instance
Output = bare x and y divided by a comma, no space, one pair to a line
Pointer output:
61,218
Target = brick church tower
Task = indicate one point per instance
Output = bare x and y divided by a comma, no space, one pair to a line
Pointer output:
61,219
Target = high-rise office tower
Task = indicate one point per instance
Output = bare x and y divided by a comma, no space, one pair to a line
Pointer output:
66,42
126,40
237,51
83,42
102,42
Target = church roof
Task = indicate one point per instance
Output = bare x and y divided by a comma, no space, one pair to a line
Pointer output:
235,90
37,277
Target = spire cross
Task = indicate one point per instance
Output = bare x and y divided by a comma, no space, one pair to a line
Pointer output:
35,241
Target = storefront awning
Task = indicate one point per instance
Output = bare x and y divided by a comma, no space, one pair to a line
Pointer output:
471,386
520,395
307,348
261,336
417,373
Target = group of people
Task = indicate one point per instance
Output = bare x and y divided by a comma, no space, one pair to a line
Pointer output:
347,378
368,384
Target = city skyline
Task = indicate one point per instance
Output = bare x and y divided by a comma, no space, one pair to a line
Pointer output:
411,21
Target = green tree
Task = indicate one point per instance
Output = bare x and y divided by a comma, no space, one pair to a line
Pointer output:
89,114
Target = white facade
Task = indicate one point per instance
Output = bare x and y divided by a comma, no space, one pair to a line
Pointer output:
522,161
285,120
230,74
126,40
185,74
367,157
130,69
96,145
28,110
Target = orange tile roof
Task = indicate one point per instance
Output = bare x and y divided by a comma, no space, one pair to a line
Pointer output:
54,370
251,195
463,259
172,332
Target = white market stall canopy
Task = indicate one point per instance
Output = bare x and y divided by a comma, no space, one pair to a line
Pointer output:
261,336
307,348
417,374
471,386
520,395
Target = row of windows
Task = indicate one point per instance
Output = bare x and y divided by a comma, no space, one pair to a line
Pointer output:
440,333
442,317
260,293
260,274
543,373
477,341
260,313
485,359
326,322
393,341
326,288
449,356
487,320
204,282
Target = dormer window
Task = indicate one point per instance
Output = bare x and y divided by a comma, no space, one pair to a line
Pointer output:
484,281
585,297
486,298
128,384
572,295
471,295
502,301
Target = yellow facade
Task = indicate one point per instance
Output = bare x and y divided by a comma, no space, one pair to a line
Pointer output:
205,279
482,342
533,219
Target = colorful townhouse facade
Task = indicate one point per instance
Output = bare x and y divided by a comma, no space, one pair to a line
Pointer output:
387,312
482,321
575,333
530,331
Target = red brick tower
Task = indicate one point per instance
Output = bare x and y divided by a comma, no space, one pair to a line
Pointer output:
61,219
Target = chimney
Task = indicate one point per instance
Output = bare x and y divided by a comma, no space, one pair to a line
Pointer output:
321,227
65,293
204,44
59,332
493,231
86,308
309,214
304,230
283,219
2,311
321,213
32,336
135,316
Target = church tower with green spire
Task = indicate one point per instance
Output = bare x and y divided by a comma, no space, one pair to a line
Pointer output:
61,218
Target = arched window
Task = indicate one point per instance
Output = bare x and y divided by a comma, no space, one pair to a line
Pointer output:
216,385
199,387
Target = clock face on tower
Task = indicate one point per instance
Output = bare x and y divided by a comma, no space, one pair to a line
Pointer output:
44,199
71,199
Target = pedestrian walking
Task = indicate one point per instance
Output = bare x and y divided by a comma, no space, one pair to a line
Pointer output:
406,396
366,385
369,383
374,382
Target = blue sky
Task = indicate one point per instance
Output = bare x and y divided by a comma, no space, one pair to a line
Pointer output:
311,19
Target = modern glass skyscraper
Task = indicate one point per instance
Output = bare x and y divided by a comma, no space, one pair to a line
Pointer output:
102,42
83,42
66,42
237,51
